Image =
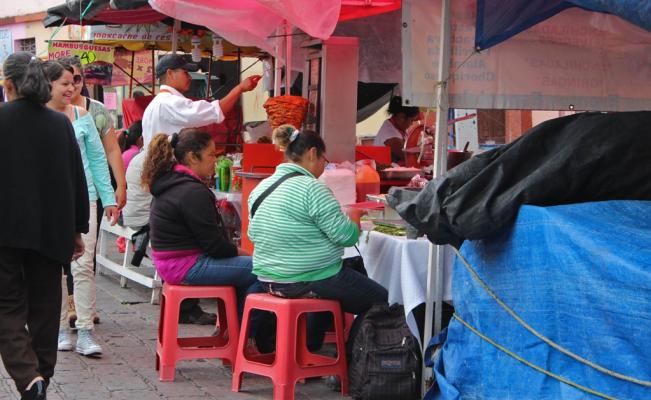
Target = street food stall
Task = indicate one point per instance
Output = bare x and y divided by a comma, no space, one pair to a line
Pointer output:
461,76
133,33
434,282
330,68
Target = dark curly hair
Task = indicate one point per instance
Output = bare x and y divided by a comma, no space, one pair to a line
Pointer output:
164,152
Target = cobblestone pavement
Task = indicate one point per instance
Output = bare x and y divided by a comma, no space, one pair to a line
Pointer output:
127,333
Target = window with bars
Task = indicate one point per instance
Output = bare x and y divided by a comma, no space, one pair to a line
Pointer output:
28,45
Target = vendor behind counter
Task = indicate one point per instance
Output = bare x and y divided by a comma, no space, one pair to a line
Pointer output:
393,131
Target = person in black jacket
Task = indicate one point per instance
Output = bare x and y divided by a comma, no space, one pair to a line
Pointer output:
44,211
188,240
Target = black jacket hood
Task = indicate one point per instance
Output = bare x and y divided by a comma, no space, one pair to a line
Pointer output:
170,180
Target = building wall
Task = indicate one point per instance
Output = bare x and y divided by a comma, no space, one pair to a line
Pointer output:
538,117
34,30
491,126
15,28
13,8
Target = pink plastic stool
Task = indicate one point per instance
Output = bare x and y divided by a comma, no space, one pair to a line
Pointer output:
292,361
170,348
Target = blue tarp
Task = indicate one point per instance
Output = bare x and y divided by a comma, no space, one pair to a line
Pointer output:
498,20
581,275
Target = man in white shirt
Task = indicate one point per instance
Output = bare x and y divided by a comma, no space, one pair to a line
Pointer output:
170,111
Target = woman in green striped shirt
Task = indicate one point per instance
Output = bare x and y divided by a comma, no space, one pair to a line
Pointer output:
300,233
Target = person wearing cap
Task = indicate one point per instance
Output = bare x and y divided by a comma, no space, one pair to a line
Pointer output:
170,111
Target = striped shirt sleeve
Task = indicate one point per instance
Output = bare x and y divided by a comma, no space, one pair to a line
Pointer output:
325,211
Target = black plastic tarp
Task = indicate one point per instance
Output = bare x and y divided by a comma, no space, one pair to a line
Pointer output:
102,12
574,159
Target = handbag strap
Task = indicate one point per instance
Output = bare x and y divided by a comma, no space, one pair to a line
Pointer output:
270,189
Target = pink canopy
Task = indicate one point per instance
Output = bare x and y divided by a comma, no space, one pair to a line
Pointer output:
251,22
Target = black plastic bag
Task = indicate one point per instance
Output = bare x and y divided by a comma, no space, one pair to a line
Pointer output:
355,263
140,243
574,159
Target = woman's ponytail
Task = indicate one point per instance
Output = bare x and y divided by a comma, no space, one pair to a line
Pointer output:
296,143
25,71
130,136
159,160
165,151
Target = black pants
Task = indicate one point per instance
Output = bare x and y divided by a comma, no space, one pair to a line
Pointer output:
30,296
355,292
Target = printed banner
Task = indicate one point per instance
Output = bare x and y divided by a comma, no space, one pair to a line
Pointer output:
97,60
142,68
158,32
576,60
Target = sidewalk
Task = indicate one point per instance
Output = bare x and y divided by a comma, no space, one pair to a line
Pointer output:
127,333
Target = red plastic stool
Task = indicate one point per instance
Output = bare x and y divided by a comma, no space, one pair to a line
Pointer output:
170,348
331,337
292,360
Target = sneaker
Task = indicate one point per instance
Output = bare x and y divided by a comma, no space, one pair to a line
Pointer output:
65,344
86,345
36,392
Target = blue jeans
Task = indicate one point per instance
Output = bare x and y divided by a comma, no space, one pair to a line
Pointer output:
355,292
235,271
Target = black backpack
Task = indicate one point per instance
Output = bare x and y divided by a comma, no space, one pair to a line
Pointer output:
386,358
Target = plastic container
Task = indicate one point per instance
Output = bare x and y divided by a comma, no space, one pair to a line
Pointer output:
367,180
236,180
341,182
223,171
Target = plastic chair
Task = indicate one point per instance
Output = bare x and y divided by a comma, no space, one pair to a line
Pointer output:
170,348
292,361
145,274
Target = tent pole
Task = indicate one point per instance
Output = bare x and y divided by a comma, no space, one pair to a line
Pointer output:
133,61
288,58
209,87
278,64
137,82
436,258
153,71
175,35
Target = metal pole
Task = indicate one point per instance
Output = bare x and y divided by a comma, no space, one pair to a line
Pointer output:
137,82
209,87
436,258
278,63
175,35
133,61
288,58
153,71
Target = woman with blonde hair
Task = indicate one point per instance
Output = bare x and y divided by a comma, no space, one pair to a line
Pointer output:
300,233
